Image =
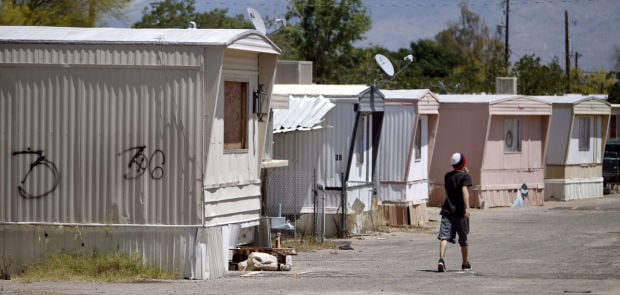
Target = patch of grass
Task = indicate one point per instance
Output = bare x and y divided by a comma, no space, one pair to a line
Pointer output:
308,244
428,227
95,267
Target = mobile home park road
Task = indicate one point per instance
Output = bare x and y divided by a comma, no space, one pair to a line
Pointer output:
559,248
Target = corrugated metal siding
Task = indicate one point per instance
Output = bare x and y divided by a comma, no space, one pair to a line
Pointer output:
412,191
573,189
169,249
306,152
396,142
402,176
591,171
232,179
88,55
371,100
180,250
505,197
428,104
593,107
304,113
120,124
255,43
493,196
521,105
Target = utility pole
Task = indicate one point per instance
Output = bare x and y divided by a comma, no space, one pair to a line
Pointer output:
507,50
567,45
577,56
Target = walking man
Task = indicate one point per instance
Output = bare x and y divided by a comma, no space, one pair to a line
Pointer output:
454,212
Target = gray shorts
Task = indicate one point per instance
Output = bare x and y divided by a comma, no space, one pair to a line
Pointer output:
450,226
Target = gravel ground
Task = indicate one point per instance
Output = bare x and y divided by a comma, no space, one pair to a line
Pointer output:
559,248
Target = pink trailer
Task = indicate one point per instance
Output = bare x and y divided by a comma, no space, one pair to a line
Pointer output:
504,138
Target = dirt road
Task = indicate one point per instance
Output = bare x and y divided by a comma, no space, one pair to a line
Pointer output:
560,248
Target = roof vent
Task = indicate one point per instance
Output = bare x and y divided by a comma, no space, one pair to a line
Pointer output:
191,25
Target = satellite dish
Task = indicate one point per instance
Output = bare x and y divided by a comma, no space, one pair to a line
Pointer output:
385,64
257,20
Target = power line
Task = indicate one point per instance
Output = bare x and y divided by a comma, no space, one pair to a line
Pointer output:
402,4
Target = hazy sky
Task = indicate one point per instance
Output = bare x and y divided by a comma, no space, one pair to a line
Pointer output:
536,26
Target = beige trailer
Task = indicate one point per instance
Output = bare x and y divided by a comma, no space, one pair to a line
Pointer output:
576,147
148,141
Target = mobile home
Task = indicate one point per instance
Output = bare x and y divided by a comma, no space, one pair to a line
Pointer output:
147,141
579,127
407,144
504,138
329,135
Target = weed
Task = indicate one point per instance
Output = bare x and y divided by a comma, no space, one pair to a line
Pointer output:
308,244
5,267
96,267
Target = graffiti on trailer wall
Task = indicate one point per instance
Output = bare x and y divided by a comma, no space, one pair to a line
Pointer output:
39,165
140,162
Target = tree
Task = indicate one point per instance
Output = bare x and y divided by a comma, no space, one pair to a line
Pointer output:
70,13
217,19
614,93
167,14
614,89
179,13
432,67
433,60
323,31
594,83
536,79
482,55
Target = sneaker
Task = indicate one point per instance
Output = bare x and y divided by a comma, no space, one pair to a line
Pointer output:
441,266
466,266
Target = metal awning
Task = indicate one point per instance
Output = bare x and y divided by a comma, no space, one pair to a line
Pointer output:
304,113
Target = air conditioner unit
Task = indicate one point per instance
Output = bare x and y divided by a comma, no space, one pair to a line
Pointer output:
293,72
506,85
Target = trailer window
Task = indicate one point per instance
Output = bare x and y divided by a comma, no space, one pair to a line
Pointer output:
235,115
512,135
362,139
418,141
584,133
